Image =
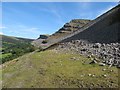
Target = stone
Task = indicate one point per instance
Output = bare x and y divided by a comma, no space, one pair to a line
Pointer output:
89,56
111,70
93,62
97,45
103,69
84,49
102,64
73,58
89,74
93,75
104,75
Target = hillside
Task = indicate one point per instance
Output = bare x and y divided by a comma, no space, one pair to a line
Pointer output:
57,69
82,54
103,29
67,29
14,39
12,47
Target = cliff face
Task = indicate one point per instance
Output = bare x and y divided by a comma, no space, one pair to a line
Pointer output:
104,29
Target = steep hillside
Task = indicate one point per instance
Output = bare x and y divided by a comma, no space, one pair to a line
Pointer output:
67,29
12,47
104,29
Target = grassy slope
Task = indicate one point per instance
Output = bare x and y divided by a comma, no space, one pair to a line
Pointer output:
54,69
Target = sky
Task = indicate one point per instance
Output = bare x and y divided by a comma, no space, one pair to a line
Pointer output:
29,20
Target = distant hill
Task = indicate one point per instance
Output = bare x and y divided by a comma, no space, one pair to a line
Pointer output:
13,47
14,39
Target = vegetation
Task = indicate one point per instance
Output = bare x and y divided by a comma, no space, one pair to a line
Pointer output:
44,41
14,47
53,69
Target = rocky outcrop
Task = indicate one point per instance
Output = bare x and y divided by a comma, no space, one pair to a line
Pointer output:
39,42
72,26
43,36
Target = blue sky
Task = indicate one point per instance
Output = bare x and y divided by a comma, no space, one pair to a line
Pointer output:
29,20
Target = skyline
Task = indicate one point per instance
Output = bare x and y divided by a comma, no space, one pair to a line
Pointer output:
29,20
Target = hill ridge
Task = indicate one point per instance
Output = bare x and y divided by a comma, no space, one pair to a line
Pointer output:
114,10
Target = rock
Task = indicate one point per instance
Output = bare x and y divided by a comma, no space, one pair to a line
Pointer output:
103,69
89,56
84,49
93,75
102,64
111,70
97,45
73,58
93,62
89,74
43,36
104,75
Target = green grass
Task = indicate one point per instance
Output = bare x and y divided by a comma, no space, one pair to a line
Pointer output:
52,69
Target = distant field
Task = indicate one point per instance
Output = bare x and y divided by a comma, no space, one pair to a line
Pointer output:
13,47
53,69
